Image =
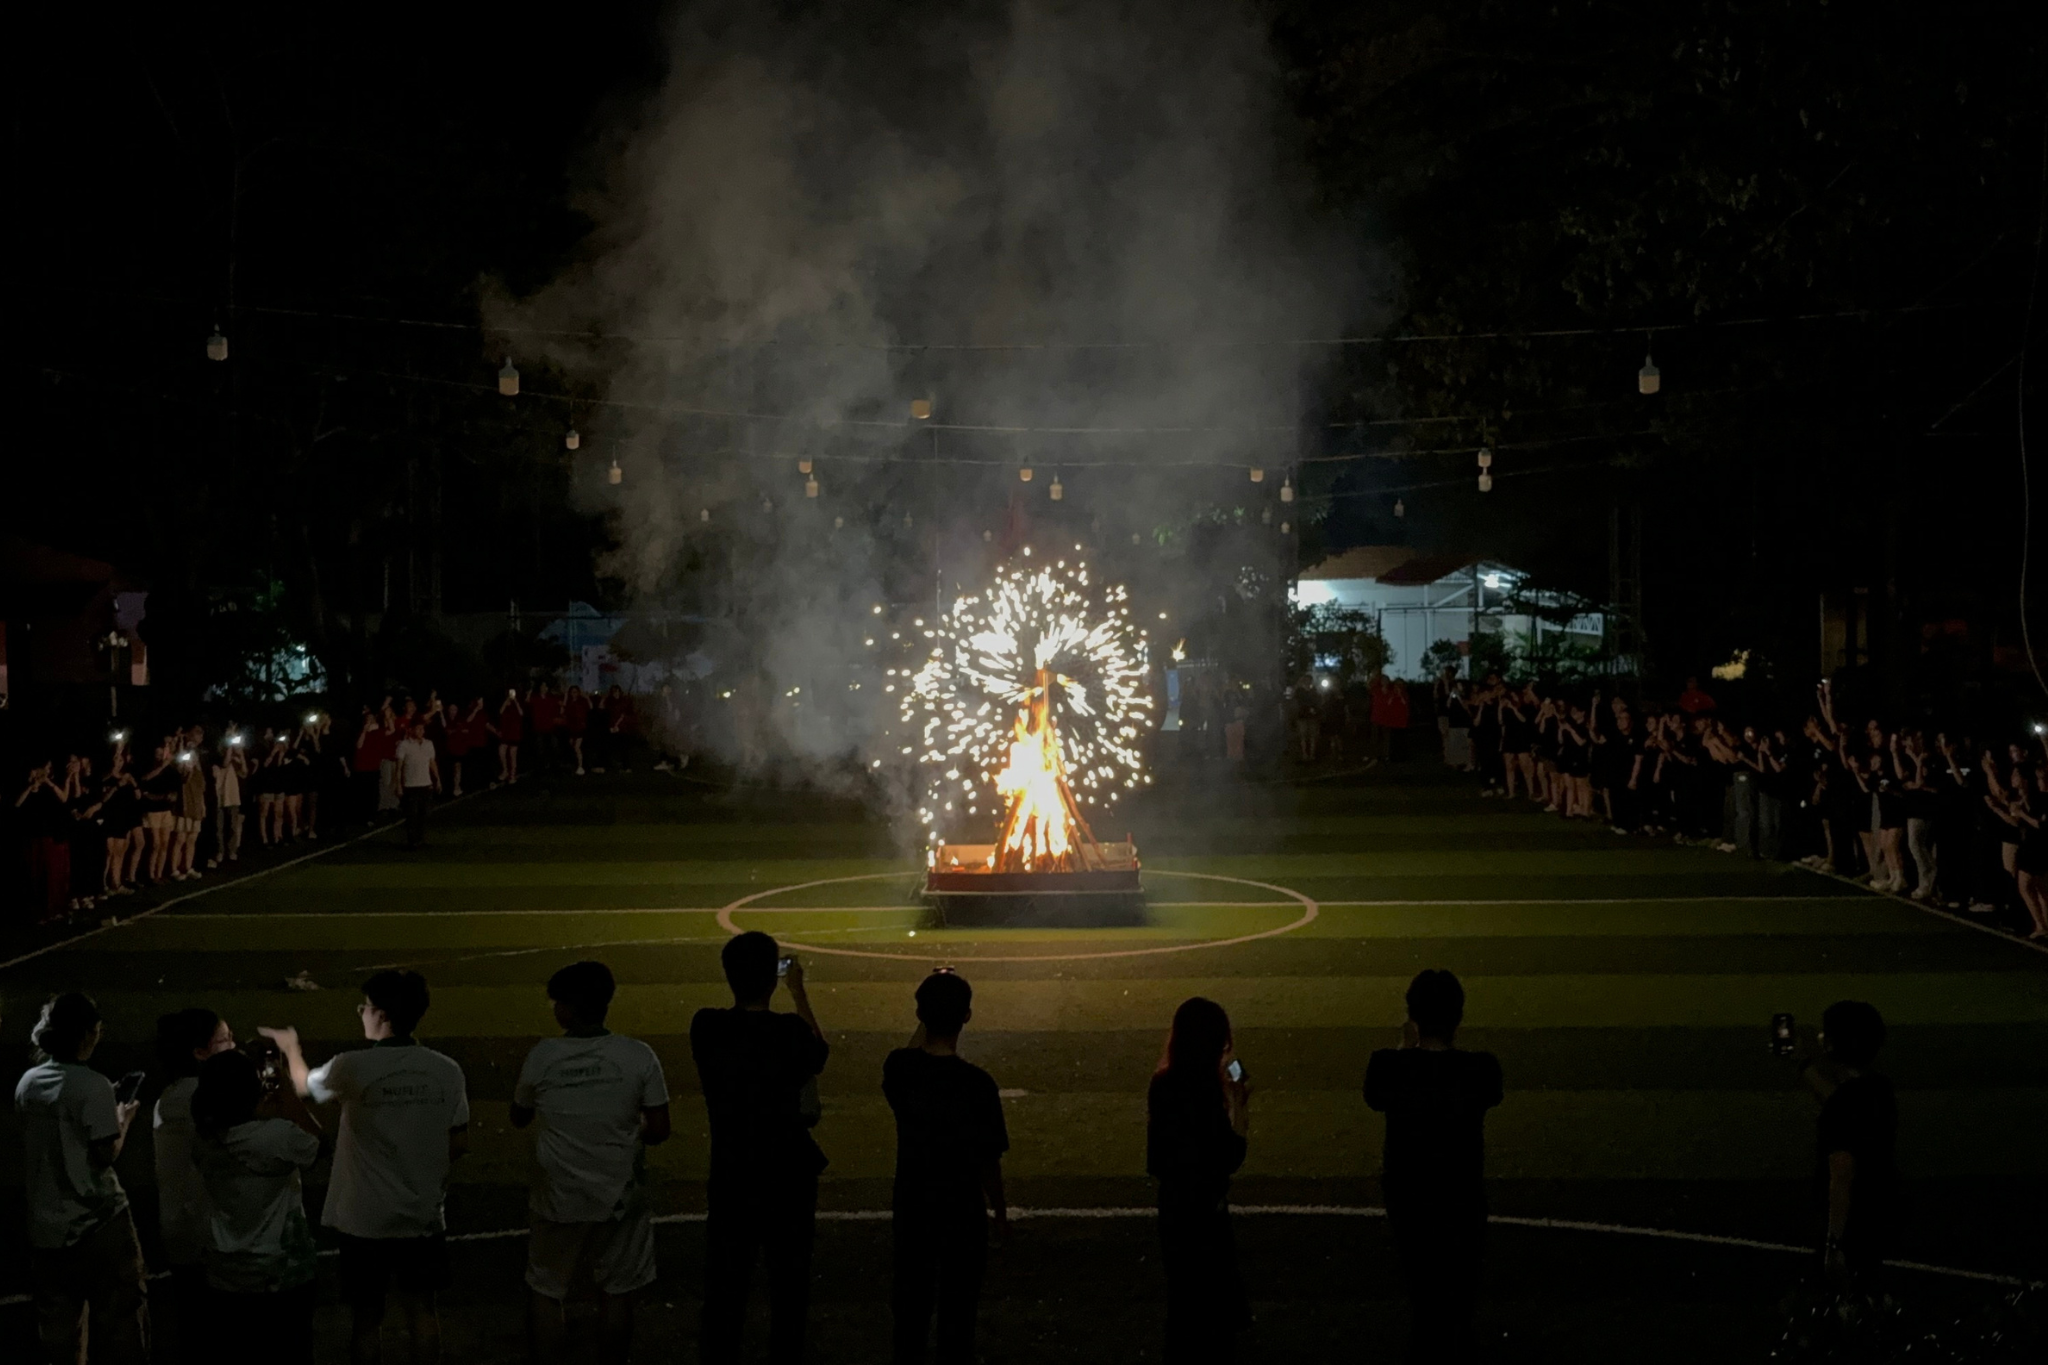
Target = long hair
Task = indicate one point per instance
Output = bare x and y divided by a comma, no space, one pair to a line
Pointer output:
1195,1046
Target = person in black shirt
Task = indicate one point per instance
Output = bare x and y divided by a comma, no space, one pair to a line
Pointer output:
1435,1097
1196,1117
1855,1167
950,1140
762,1199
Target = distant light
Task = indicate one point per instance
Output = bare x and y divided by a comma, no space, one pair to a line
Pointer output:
767,504
615,475
1400,508
878,608
1649,378
1134,537
1486,459
704,514
1287,490
906,520
1258,474
1286,528
839,523
1266,515
572,439
1493,580
811,487
1056,490
1024,474
921,408
1485,482
803,466
1162,616
987,536
217,345
508,379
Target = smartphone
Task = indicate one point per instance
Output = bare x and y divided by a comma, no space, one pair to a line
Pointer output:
1235,1070
782,966
1782,1040
129,1087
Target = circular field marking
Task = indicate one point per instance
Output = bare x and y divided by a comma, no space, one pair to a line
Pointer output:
1307,916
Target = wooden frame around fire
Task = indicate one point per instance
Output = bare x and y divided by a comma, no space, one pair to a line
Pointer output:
966,891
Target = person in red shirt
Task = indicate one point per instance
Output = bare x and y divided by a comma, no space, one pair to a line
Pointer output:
511,733
1695,700
544,710
576,723
456,743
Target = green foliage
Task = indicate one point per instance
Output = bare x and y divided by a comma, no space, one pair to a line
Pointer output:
1352,636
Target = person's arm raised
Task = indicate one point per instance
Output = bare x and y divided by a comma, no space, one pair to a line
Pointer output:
799,999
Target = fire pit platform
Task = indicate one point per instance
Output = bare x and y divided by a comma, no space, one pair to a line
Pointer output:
966,892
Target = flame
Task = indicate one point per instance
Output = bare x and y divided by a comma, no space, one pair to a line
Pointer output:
1041,829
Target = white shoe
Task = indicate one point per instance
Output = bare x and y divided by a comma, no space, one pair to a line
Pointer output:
579,772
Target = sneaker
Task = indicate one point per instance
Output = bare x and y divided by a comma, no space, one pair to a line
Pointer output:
579,772
213,862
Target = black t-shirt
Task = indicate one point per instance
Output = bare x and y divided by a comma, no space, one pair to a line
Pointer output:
1435,1101
949,1126
1862,1117
753,1065
163,790
1190,1147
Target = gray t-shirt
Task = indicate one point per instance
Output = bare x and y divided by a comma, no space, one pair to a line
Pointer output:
180,1192
257,1239
65,1107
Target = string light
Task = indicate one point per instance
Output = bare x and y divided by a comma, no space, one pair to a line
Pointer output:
1056,490
615,475
1266,516
811,487
1486,459
1649,378
508,379
803,466
572,439
1286,489
1258,474
1024,474
921,409
704,514
767,504
1286,528
1485,481
217,345
906,521
839,523
1400,508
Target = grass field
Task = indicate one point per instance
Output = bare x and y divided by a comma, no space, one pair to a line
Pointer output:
1625,986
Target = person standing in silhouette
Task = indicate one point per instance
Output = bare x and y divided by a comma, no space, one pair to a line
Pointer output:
1435,1096
756,1066
950,1140
1197,1116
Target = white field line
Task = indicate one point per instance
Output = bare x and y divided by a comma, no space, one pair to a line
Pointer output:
1282,1211
2035,945
907,908
244,880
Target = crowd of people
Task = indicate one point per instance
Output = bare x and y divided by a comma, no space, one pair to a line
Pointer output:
1935,815
237,1125
92,825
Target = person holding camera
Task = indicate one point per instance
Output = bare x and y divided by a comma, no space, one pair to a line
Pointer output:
1435,1096
184,1042
601,1101
404,1122
1197,1115
85,1262
756,1067
253,1140
1856,1171
950,1140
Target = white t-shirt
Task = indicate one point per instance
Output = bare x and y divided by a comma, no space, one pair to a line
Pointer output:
180,1190
398,1101
65,1107
415,762
589,1093
257,1240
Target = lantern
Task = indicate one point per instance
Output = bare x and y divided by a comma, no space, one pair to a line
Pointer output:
811,487
1258,475
1485,482
1400,508
1286,490
987,536
1266,516
1286,528
1024,474
921,408
615,475
508,379
217,345
1486,459
803,466
1056,490
704,514
839,523
1649,378
572,439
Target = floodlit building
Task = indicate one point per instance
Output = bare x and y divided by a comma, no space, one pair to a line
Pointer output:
1419,599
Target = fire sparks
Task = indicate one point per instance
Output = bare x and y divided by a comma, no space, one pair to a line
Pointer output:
1033,699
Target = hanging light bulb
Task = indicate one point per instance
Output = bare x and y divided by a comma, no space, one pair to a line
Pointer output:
1056,490
839,523
508,379
1258,474
217,345
1286,528
1024,474
803,466
1400,508
1286,489
987,536
1485,481
811,487
906,520
921,408
1649,378
1266,516
704,514
1486,459
615,475
572,439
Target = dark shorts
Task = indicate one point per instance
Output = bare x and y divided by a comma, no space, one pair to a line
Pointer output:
372,1265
